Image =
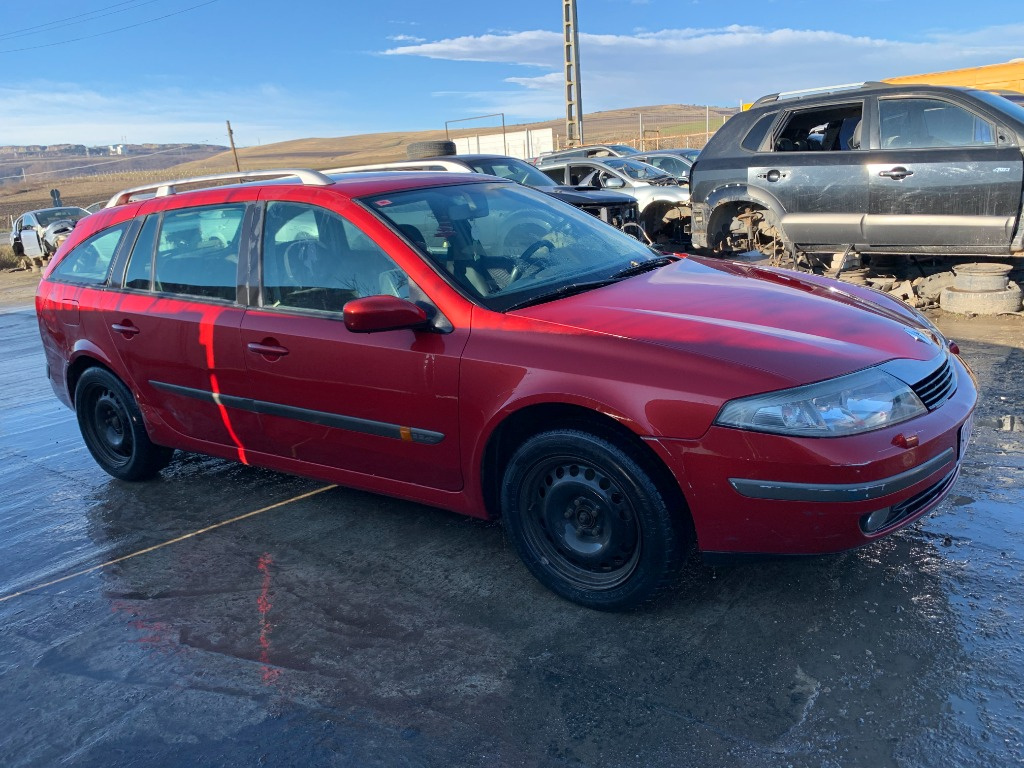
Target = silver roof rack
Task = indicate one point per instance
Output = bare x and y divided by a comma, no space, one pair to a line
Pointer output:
822,91
165,188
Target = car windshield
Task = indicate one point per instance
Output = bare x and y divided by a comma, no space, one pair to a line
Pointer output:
634,168
511,168
50,215
506,245
623,149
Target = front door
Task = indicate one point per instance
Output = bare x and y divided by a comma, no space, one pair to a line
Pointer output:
939,177
382,404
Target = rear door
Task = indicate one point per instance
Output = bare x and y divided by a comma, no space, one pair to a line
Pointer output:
813,166
940,176
383,404
174,322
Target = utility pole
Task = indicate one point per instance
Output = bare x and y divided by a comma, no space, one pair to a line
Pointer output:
573,99
231,138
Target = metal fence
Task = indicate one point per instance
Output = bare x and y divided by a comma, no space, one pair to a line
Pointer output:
663,127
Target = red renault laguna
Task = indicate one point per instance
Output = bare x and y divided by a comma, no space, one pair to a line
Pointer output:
471,344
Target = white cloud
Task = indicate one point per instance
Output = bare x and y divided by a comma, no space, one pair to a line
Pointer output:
406,39
707,66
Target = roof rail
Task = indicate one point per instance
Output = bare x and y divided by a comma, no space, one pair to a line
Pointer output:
165,188
822,91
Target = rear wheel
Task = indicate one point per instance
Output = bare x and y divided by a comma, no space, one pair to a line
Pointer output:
589,521
112,428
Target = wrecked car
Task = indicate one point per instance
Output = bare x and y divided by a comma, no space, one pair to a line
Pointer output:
38,234
664,202
871,168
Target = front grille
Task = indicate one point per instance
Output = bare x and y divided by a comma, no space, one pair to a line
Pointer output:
937,386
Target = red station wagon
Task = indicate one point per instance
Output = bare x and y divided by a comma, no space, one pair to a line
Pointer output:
475,345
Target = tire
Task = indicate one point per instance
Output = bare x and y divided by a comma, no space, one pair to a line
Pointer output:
589,522
417,150
112,427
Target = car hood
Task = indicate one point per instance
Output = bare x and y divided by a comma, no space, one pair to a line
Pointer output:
796,330
586,196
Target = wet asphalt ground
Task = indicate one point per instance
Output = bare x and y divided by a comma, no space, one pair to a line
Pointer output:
229,616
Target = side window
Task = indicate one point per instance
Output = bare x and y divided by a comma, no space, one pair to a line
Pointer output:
755,135
140,263
89,262
557,175
197,251
315,259
931,123
834,128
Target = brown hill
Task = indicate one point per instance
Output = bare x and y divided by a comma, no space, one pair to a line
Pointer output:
663,125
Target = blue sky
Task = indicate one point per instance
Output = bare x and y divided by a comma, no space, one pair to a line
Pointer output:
103,71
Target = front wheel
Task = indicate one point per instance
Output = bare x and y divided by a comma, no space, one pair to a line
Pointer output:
589,522
112,428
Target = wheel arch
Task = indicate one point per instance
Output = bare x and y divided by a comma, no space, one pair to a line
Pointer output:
733,196
534,419
80,365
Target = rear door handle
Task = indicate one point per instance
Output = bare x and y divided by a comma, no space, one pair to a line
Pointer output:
898,173
126,329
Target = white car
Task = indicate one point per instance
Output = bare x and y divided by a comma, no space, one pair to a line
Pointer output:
39,233
664,201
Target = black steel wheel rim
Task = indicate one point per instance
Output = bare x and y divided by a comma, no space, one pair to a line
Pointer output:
580,522
109,426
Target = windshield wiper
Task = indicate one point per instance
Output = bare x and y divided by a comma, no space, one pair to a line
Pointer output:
565,290
637,268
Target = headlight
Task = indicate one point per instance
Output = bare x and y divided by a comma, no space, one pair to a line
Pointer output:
860,402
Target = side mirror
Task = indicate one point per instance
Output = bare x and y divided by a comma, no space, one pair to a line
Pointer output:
613,182
371,314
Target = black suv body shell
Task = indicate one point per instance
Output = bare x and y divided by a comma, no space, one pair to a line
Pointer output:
878,168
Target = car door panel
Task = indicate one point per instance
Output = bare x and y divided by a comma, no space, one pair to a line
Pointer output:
824,194
184,361
381,404
967,196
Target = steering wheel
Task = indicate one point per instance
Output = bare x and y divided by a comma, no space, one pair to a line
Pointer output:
526,259
303,260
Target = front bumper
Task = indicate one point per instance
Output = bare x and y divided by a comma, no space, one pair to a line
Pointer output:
752,493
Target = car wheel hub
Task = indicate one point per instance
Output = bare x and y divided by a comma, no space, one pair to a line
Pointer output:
583,520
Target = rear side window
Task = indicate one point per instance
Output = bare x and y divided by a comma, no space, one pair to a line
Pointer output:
89,262
834,128
197,252
755,135
140,265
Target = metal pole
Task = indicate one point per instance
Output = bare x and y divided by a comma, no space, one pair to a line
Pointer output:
231,138
707,123
573,90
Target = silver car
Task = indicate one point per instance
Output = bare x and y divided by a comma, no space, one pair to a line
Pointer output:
664,202
37,234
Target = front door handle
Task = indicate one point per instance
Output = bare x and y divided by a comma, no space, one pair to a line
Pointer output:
269,348
898,173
